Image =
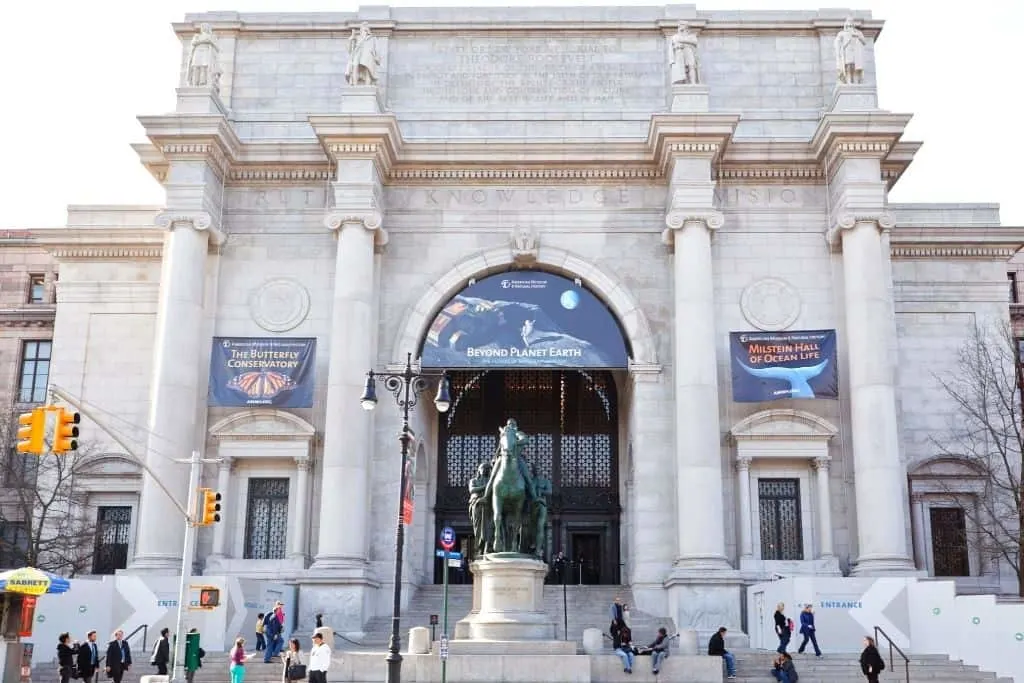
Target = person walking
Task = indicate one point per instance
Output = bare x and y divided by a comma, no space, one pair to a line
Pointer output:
871,663
88,658
716,648
238,660
808,631
161,652
319,660
292,659
119,657
782,628
66,653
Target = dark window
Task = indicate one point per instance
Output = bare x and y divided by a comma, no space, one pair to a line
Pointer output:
13,544
37,289
113,533
266,519
949,542
1012,282
781,532
21,469
35,371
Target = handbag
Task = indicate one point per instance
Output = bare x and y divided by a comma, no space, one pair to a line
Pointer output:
296,672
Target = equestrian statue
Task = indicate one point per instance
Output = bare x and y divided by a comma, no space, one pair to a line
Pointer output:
508,501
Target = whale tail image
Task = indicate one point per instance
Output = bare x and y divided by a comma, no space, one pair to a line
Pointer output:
798,378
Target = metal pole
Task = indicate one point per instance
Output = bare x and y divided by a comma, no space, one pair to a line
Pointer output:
394,658
178,663
444,619
565,604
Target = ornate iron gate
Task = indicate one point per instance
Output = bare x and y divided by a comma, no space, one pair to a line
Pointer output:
572,419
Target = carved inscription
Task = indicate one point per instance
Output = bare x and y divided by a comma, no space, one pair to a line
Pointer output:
613,73
520,198
276,198
766,197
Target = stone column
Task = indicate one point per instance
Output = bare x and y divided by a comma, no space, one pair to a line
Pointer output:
821,466
223,484
347,435
699,500
300,526
174,389
743,489
920,539
879,477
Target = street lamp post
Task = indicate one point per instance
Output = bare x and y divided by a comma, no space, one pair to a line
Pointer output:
406,387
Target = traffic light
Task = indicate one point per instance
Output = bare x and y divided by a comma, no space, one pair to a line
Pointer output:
31,431
65,434
209,506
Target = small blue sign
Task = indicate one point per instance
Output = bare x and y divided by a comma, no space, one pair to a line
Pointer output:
448,537
449,555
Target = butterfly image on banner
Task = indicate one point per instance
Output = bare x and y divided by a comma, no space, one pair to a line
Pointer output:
261,384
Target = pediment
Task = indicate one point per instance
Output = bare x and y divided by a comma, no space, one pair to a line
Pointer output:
783,424
263,424
946,467
109,465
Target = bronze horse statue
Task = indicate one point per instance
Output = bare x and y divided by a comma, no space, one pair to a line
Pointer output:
507,490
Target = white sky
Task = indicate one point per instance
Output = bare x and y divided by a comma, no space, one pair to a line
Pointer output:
76,74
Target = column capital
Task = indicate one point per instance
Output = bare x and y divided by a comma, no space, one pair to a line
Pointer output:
883,220
226,463
303,463
822,463
677,219
371,220
743,462
197,220
645,372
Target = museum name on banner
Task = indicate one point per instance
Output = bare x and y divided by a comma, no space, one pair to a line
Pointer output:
246,371
769,366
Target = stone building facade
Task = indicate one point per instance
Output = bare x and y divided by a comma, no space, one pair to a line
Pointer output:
741,188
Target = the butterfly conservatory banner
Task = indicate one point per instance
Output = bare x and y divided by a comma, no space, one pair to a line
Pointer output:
277,372
768,366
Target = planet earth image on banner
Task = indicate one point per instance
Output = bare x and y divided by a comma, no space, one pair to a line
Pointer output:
570,299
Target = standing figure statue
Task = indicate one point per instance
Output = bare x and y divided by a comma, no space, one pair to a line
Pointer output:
685,67
203,70
363,59
509,489
849,47
539,516
480,510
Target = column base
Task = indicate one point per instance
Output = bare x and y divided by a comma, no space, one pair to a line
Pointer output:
701,563
345,606
885,565
154,564
706,601
361,99
338,565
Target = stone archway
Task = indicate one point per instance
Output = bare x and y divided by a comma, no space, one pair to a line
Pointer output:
614,294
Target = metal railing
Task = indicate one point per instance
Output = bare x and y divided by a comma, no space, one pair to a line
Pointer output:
894,647
145,635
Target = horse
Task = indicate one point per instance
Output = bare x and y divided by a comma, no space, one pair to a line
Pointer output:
507,493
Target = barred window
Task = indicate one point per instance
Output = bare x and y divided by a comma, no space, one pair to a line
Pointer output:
266,519
781,532
949,541
113,534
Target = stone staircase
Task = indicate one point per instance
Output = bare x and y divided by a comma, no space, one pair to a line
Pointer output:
754,666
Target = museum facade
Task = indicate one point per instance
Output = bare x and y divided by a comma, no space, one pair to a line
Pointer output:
658,238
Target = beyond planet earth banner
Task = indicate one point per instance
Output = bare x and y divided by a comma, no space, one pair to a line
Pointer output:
246,371
769,366
524,319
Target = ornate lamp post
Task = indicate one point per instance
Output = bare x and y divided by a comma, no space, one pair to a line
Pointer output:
406,386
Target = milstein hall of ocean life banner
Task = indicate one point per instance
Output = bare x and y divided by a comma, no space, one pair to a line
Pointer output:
524,319
769,366
268,371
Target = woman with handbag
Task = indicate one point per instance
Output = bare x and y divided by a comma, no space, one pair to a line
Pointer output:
294,669
66,654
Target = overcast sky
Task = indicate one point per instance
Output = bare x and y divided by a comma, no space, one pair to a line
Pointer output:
77,73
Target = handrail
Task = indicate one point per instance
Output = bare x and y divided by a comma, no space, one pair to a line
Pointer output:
894,646
145,634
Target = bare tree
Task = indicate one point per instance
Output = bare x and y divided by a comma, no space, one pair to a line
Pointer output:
987,434
43,511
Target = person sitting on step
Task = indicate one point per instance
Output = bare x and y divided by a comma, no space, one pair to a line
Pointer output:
716,648
658,650
622,644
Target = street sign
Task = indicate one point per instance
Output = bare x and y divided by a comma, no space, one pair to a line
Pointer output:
444,647
433,620
447,538
454,563
449,555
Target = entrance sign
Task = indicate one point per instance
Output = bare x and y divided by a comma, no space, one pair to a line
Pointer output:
447,538
269,371
768,366
525,319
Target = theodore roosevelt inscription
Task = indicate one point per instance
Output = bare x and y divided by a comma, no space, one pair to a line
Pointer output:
509,73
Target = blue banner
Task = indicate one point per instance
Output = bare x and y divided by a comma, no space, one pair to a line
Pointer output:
769,366
272,371
525,319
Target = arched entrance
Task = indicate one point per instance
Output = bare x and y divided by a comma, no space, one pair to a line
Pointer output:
572,419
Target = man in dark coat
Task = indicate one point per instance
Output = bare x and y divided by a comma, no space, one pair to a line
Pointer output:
162,652
119,657
88,658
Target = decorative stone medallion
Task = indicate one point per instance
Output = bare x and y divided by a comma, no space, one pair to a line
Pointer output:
279,305
770,304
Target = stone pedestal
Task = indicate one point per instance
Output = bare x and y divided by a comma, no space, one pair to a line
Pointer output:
509,604
690,99
854,97
593,641
361,99
199,101
419,640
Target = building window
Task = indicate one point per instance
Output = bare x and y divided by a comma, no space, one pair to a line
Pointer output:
949,542
13,544
35,371
1011,279
113,533
266,519
781,532
20,470
37,289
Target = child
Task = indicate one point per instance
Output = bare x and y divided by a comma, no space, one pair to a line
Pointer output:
261,641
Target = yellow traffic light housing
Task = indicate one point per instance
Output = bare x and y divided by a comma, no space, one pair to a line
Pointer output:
65,433
31,431
209,502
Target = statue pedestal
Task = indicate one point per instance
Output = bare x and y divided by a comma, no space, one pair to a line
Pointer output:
854,97
361,99
509,603
690,98
199,101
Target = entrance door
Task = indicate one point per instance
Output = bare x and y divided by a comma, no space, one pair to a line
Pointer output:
571,417
586,552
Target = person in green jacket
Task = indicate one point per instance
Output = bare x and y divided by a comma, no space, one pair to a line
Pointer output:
193,654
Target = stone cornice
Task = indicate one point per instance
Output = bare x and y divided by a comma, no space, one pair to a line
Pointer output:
191,137
376,137
865,134
103,243
673,135
28,316
976,244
